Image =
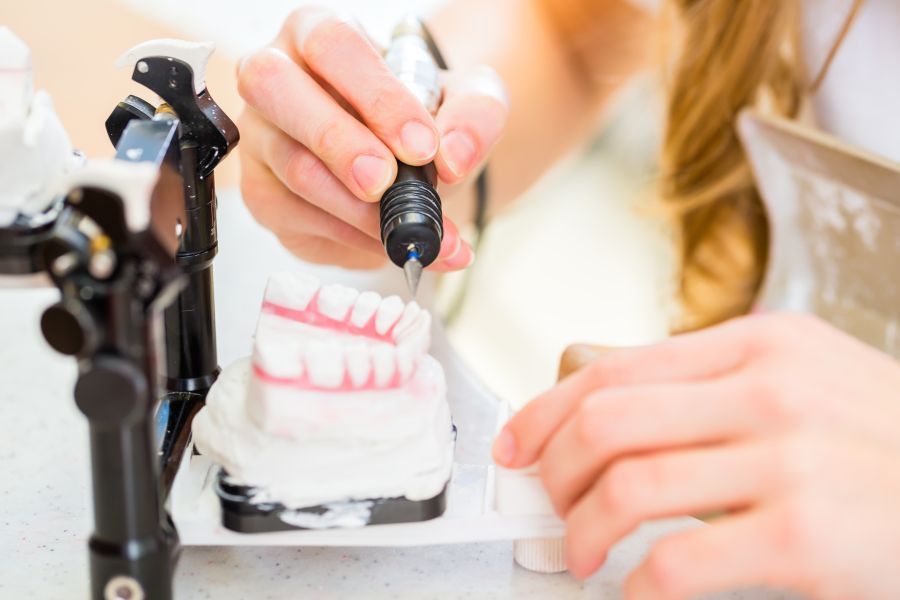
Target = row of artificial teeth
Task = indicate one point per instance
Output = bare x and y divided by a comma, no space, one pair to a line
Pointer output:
284,354
295,291
386,337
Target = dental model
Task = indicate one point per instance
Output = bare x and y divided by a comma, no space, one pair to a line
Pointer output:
35,153
339,402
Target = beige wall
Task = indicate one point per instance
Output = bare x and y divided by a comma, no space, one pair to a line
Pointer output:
74,46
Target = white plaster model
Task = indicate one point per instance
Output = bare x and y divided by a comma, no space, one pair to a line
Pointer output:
35,152
339,401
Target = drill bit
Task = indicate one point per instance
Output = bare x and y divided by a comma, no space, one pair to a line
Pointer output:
412,270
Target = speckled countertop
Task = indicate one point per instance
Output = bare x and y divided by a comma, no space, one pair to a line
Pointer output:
45,474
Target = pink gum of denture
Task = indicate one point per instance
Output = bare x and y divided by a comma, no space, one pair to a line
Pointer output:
311,316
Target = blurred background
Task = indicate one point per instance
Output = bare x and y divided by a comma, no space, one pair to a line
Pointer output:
542,279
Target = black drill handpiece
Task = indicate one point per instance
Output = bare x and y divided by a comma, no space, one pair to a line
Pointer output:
411,217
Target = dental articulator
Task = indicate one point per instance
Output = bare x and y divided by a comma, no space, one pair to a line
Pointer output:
129,243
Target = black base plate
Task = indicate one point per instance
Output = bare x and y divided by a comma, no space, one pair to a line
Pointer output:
241,514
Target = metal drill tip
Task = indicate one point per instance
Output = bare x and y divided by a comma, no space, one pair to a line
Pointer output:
412,269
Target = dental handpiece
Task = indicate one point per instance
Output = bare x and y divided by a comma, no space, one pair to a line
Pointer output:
411,218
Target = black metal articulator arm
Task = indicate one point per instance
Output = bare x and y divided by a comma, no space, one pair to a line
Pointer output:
111,256
203,136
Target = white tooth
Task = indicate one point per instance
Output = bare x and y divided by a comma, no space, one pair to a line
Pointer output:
419,335
384,362
419,342
365,307
405,361
325,363
335,301
359,362
390,310
292,290
408,319
426,327
279,356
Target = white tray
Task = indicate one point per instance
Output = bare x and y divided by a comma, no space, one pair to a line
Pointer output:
471,516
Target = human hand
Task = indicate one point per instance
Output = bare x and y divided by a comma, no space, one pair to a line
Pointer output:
789,426
324,122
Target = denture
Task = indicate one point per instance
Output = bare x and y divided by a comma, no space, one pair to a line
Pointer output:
334,338
340,400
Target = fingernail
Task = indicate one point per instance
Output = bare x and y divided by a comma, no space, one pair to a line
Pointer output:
311,21
505,448
450,246
471,257
463,257
372,173
241,63
458,149
459,259
419,140
482,80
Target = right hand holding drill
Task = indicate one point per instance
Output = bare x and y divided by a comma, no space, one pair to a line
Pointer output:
325,123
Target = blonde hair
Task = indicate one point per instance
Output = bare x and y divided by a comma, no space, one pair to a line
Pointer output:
720,57
729,54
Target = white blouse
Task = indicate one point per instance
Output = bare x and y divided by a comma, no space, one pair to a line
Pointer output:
859,100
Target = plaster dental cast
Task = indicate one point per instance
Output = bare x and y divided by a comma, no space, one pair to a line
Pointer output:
33,144
296,420
786,428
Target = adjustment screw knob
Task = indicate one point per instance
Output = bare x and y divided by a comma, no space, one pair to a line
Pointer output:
70,329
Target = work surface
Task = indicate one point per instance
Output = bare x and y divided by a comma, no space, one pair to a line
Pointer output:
45,475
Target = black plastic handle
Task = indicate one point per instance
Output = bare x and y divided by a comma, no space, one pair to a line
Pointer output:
411,216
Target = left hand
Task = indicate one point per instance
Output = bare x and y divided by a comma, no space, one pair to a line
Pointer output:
789,426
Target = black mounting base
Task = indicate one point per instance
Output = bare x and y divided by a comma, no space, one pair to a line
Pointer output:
241,514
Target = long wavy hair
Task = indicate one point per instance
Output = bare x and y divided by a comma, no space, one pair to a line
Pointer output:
720,56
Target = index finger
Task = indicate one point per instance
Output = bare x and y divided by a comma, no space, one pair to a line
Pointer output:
340,55
692,357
